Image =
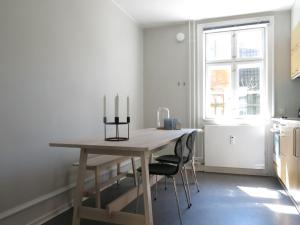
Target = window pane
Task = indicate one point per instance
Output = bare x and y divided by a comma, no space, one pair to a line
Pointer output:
249,78
249,84
250,43
218,90
249,105
218,46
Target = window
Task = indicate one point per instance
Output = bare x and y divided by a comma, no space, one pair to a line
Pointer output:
234,68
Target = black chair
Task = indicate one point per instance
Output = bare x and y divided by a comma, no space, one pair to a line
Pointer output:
167,170
173,159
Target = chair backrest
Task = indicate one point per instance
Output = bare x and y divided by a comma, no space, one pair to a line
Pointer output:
178,150
190,145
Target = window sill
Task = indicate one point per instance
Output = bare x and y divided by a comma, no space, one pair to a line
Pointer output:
236,122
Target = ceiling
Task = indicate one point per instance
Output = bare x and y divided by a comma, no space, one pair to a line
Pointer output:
155,12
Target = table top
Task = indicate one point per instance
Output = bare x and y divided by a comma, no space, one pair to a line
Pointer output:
140,140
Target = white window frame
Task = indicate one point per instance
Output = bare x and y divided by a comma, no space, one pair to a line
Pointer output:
268,69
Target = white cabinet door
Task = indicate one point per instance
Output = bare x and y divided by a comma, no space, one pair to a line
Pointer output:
235,146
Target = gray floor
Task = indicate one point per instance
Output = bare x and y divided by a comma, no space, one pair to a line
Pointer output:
222,200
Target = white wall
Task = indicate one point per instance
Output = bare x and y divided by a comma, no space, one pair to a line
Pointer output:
57,59
165,64
295,13
287,91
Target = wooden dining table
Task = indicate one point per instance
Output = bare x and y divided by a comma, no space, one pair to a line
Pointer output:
142,143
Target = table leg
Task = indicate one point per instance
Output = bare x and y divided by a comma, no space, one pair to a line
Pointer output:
79,186
146,189
151,158
118,172
97,184
134,171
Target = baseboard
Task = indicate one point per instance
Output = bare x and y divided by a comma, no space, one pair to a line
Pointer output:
48,216
50,205
199,166
39,200
227,170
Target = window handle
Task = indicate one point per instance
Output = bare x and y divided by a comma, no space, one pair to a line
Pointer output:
233,68
295,141
233,48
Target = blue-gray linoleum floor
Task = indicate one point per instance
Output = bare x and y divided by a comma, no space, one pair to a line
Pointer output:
222,200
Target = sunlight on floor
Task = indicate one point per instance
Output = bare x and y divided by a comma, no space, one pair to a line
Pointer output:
279,208
260,192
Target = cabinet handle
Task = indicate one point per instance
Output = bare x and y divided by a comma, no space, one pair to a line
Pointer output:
295,141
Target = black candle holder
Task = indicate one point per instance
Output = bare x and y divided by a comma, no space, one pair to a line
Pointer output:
116,123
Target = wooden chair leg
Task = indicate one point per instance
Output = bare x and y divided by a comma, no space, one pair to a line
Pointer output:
134,171
97,187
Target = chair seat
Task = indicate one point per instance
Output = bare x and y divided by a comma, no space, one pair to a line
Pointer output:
170,159
161,169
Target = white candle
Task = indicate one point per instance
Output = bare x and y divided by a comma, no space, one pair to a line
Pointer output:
117,106
104,106
127,105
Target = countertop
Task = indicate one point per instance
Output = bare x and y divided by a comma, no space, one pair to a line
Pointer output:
287,120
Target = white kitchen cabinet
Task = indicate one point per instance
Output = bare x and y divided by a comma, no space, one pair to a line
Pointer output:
288,170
